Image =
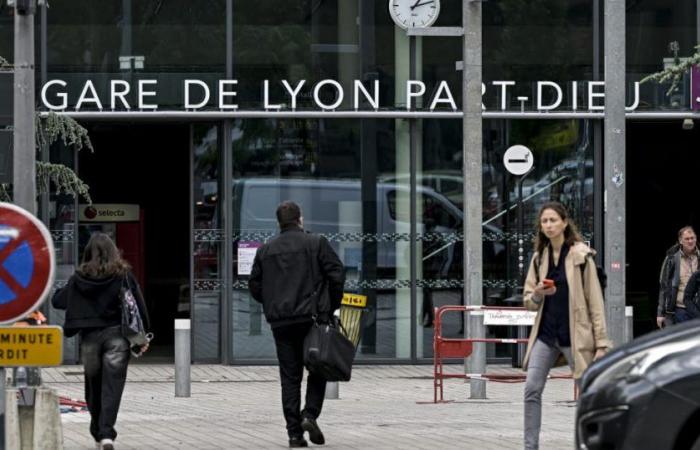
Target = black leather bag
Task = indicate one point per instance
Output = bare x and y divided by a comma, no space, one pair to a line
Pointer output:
327,350
132,324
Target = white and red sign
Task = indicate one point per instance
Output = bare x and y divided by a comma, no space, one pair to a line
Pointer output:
246,256
109,212
518,317
26,263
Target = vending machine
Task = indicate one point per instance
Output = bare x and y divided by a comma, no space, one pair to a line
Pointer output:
123,223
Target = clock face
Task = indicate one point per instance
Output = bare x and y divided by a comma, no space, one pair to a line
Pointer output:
414,13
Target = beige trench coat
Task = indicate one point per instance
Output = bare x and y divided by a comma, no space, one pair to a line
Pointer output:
586,310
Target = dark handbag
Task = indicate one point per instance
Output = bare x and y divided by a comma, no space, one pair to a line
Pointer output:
132,324
327,350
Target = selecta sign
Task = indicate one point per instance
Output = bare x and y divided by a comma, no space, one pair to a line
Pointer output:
197,94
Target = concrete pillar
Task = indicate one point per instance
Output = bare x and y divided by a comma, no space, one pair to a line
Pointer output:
20,430
629,324
614,167
12,434
24,138
471,169
49,435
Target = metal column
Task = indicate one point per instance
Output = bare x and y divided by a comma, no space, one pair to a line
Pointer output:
24,171
472,174
614,166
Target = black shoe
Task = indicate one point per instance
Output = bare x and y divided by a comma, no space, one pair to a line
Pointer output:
297,441
315,434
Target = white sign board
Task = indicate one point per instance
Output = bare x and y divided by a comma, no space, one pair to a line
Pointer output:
509,317
246,256
518,159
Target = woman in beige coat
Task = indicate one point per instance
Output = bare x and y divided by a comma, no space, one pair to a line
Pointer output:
562,286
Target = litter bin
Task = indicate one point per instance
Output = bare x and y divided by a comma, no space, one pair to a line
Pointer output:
351,309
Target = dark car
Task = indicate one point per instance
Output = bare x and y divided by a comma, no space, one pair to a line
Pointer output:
644,395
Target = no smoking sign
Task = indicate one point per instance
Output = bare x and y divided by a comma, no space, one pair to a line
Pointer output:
26,263
518,159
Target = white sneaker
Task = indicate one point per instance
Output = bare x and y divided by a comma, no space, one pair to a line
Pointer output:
106,444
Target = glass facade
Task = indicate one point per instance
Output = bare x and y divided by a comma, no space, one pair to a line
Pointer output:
352,177
659,34
130,40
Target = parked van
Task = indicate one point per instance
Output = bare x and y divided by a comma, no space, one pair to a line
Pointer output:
334,207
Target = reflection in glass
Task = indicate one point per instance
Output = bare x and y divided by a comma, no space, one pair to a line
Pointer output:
563,171
207,245
658,33
352,188
131,40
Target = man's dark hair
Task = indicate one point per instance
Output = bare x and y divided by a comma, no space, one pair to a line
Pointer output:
288,213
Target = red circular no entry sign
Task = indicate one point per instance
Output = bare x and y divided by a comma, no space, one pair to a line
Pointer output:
26,263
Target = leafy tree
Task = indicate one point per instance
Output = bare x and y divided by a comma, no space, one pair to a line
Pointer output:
49,128
675,73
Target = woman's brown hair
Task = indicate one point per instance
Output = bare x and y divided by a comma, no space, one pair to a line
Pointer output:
102,258
571,234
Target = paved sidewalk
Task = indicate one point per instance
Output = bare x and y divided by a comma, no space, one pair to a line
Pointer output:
239,407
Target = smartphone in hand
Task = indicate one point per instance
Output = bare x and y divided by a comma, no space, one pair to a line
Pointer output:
548,283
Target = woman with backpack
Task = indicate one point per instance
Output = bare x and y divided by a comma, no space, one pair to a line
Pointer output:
562,286
92,300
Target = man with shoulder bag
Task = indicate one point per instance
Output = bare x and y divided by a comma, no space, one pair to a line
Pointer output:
297,276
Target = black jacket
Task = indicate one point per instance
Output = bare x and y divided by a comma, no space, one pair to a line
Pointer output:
690,296
93,303
282,278
669,279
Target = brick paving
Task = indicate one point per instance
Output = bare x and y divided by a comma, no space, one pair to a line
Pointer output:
239,407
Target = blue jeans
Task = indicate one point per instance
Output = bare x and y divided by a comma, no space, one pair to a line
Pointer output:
542,358
682,315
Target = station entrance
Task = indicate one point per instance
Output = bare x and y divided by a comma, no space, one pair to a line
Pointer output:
140,188
662,191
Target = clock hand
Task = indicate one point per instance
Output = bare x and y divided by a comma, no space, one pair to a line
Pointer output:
421,4
415,4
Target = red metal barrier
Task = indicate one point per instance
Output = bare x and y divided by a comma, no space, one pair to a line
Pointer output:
444,348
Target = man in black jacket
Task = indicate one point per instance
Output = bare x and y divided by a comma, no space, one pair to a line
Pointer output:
679,265
287,274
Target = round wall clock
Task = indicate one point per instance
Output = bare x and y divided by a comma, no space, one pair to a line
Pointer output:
414,13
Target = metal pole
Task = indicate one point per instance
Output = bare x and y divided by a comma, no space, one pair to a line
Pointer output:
182,358
413,225
332,390
24,139
614,166
521,227
521,331
472,191
24,144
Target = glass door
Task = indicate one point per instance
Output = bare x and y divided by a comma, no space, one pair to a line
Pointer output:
59,213
207,244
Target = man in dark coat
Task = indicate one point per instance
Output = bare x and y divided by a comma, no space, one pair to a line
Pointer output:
679,265
288,273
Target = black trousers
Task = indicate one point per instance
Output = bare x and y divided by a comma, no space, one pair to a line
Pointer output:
289,341
105,356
